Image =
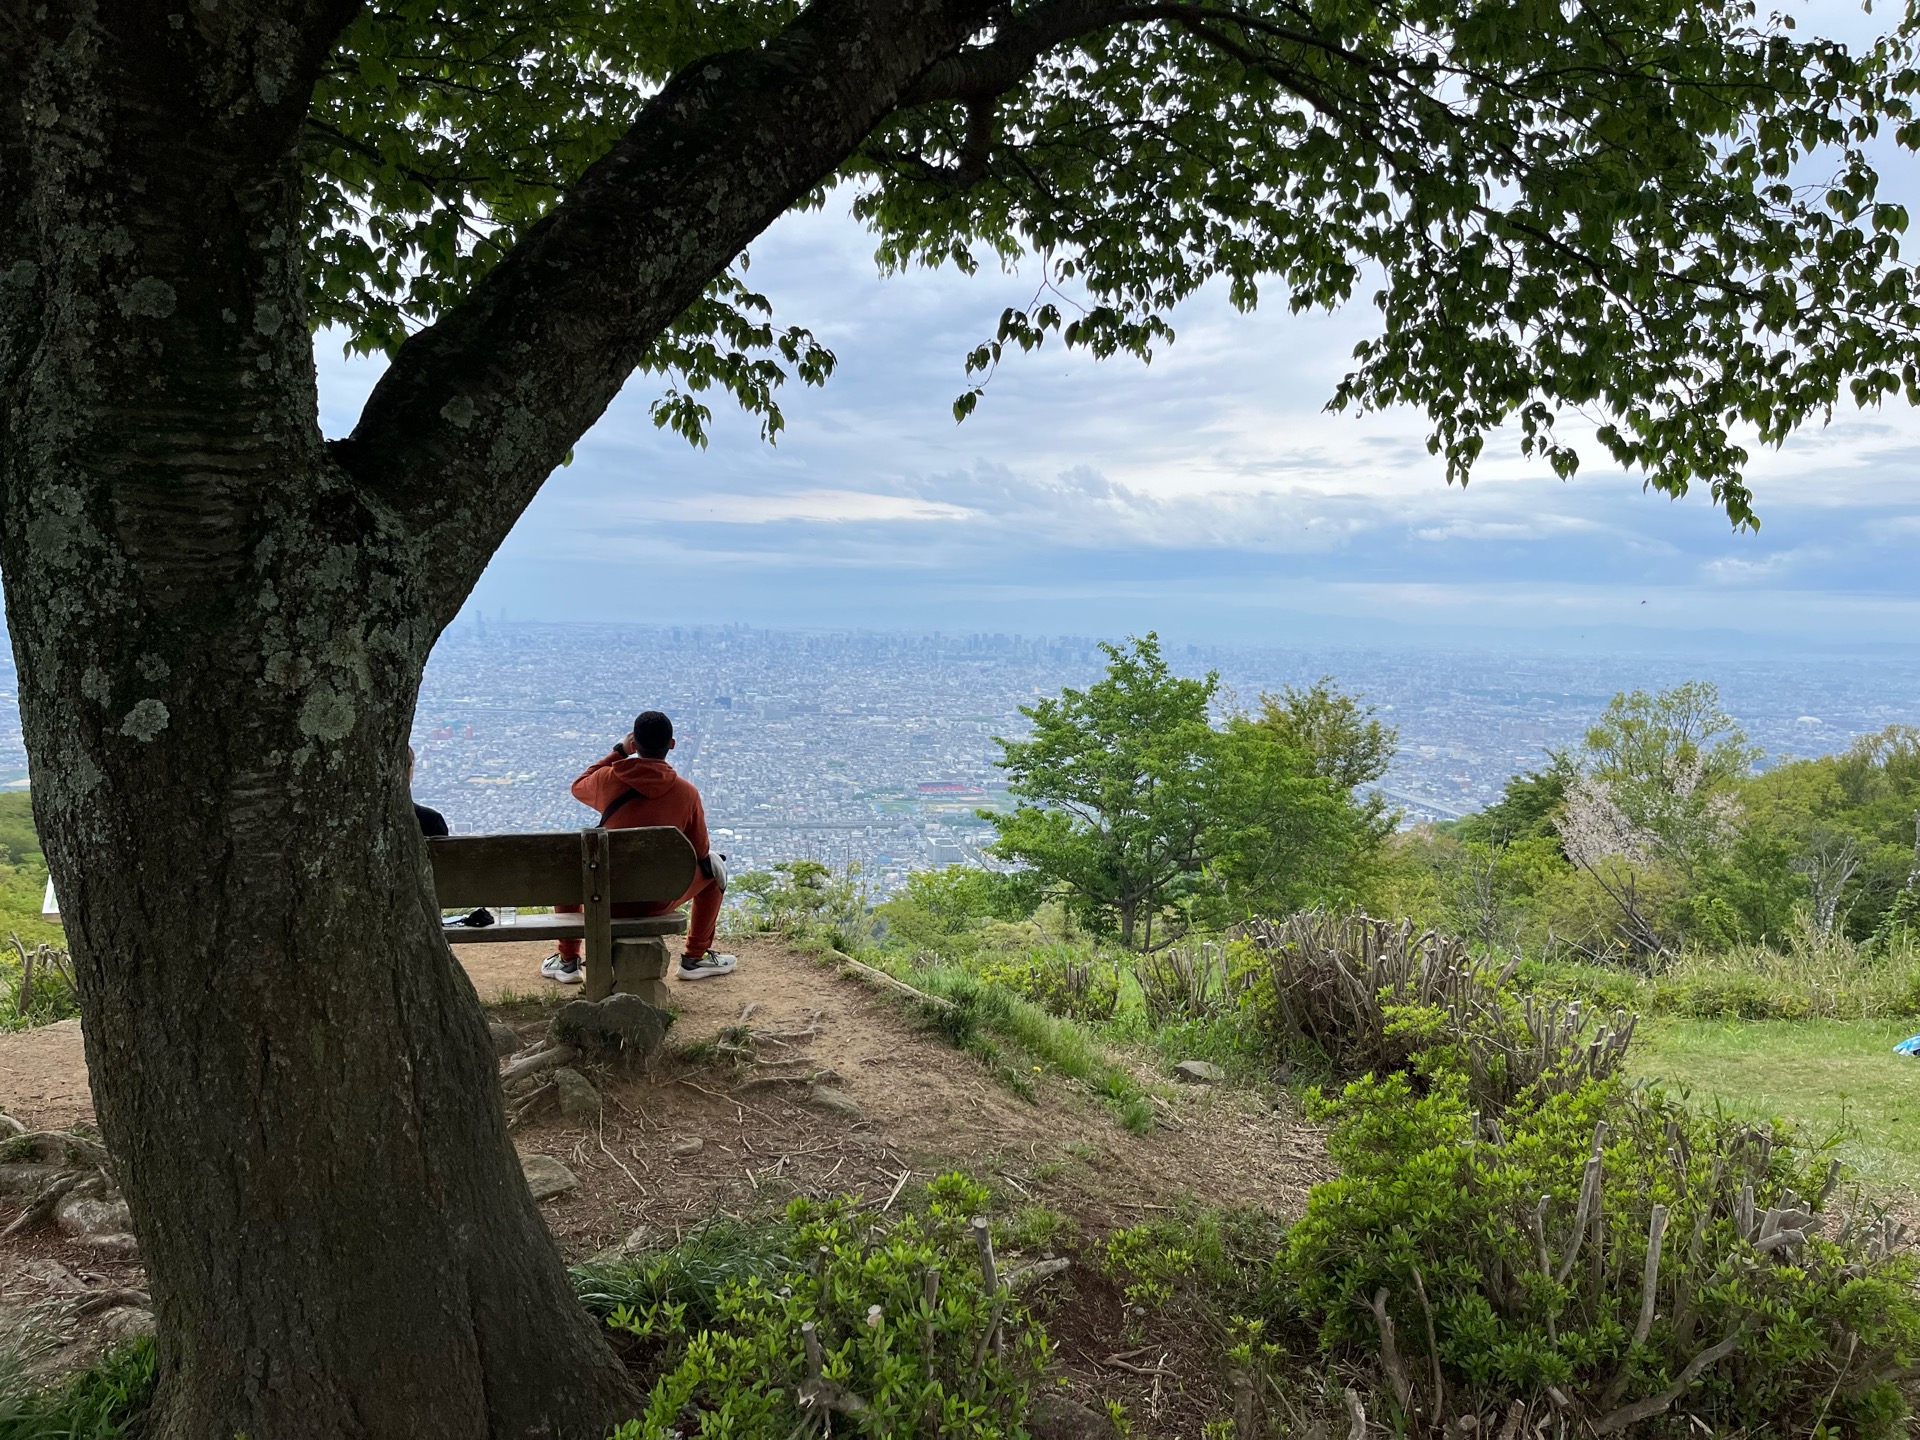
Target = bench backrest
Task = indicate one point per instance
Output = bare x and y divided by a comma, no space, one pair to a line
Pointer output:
570,867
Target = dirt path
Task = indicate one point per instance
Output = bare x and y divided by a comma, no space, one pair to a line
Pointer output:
716,1129
694,1135
43,1077
923,1108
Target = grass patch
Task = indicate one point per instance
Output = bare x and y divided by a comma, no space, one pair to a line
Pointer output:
1814,977
980,1008
106,1402
1037,1039
1827,1076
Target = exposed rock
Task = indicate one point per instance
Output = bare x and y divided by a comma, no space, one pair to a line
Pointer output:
577,1095
1055,1417
833,1100
126,1322
547,1177
621,1022
25,1178
684,1148
121,1247
1199,1072
86,1218
506,1040
50,1273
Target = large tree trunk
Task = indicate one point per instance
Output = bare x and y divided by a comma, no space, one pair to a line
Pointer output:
219,641
220,624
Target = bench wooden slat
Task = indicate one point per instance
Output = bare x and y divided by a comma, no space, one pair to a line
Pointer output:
648,863
563,927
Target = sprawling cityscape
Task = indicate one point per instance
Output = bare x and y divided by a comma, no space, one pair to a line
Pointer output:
878,749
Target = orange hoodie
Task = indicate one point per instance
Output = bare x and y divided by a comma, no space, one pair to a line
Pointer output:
664,798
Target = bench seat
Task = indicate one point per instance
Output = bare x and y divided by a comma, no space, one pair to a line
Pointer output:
562,927
596,869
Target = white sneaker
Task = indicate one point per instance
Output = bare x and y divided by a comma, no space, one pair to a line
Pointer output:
563,970
707,966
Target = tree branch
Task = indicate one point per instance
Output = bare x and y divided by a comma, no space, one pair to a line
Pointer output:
986,72
476,410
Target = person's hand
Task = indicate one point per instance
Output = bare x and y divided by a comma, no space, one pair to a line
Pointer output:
629,745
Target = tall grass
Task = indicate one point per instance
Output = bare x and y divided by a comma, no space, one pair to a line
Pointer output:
984,1017
106,1402
1809,976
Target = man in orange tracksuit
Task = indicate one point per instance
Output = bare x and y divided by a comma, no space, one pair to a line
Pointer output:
633,786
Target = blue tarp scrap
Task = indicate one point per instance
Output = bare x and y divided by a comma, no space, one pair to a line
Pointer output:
1908,1047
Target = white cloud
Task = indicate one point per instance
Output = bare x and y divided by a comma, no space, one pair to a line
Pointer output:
826,506
1212,479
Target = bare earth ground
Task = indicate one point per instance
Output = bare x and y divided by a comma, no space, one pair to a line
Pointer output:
697,1135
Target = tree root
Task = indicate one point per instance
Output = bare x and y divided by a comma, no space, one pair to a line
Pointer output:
888,982
41,1207
551,1058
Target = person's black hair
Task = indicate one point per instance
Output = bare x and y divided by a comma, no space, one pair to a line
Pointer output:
652,734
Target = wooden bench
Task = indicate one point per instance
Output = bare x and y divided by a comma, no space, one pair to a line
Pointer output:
594,869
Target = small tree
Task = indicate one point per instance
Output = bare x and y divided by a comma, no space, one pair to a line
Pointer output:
1653,785
1669,764
1289,829
1125,776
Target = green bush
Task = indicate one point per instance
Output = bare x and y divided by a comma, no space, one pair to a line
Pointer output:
1202,1266
1731,997
1362,996
1194,982
1598,985
803,898
890,1332
1478,1264
36,985
1061,980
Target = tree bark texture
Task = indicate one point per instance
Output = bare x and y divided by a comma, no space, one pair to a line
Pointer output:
219,640
220,624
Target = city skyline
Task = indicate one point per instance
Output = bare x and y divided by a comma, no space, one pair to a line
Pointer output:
878,747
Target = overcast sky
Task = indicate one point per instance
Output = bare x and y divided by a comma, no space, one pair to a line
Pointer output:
1208,495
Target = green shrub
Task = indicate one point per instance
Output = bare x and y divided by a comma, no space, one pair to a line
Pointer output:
1061,980
1515,1259
1194,982
1362,995
1731,997
1202,1266
804,899
1597,985
36,984
888,1332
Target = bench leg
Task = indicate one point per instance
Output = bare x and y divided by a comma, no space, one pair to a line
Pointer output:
599,973
640,968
